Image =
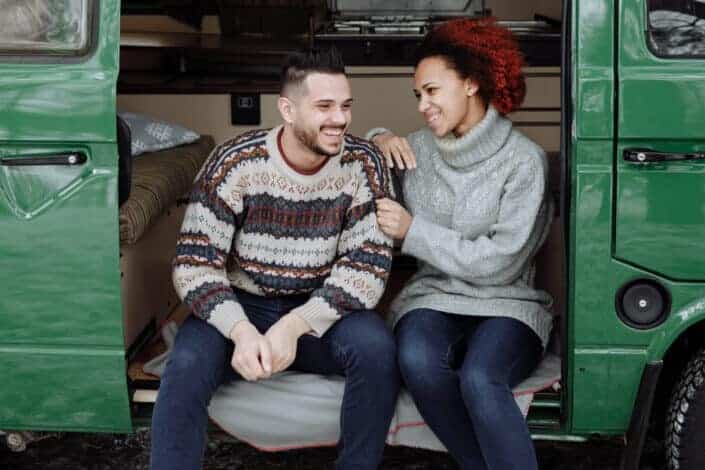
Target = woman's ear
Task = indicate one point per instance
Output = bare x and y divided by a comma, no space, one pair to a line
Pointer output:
471,87
286,109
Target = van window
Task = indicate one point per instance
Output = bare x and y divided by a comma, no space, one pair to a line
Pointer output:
44,27
676,28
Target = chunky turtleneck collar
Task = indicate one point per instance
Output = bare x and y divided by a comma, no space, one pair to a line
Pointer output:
478,144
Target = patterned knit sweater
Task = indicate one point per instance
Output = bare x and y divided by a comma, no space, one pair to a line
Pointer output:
255,223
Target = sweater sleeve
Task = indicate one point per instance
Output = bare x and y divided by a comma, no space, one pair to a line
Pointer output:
498,257
202,249
374,132
363,261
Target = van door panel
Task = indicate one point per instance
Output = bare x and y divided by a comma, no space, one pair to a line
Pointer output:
62,287
660,214
71,389
62,357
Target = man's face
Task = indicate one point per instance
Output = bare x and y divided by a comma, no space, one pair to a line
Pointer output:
323,113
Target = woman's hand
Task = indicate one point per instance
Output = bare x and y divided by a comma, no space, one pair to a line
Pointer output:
392,218
395,149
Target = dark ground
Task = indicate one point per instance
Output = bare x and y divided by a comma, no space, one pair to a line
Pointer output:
108,452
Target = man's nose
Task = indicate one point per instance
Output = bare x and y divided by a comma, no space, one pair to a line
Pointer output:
339,117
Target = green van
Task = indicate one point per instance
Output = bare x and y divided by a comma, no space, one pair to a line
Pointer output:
616,95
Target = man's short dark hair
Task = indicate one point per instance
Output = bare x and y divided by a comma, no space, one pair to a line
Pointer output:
298,65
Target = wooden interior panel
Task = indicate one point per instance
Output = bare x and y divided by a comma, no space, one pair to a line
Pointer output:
147,289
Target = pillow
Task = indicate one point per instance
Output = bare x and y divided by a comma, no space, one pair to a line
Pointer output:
151,135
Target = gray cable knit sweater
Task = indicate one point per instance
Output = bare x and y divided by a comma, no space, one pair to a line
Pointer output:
480,213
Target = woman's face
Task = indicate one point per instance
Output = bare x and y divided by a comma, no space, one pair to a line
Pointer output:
444,97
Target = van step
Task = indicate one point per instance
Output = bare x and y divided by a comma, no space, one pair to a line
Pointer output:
545,411
546,403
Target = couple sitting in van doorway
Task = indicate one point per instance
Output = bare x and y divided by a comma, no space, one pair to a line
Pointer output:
286,246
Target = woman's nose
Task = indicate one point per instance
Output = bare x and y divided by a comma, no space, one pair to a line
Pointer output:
423,105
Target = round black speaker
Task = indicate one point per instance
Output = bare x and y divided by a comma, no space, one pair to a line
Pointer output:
643,303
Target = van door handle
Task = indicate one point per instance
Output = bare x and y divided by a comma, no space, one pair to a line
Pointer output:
642,156
63,159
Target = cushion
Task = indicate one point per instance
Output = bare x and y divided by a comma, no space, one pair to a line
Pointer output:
159,179
295,410
150,134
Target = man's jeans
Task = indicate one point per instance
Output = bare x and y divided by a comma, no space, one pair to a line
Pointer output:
359,346
460,371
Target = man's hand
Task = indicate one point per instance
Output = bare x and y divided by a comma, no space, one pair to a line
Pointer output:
396,150
252,357
393,219
283,336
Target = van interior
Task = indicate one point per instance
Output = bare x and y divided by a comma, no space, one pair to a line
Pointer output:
212,67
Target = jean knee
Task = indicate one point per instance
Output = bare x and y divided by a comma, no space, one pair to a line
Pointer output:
419,354
477,385
189,374
370,344
183,366
423,365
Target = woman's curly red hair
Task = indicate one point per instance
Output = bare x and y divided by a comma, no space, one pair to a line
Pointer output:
482,50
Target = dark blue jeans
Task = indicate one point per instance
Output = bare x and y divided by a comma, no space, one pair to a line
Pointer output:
460,371
359,346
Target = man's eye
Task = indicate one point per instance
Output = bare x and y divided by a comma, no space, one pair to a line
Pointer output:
324,107
347,106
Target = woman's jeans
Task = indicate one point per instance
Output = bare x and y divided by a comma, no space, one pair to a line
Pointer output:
359,346
460,371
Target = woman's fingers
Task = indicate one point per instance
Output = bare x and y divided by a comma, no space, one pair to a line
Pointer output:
398,154
396,151
388,216
387,230
402,153
388,158
387,222
387,205
393,219
408,153
385,143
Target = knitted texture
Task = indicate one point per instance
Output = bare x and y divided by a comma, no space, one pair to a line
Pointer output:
480,213
256,224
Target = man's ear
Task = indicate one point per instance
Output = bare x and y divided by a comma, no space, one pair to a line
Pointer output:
286,109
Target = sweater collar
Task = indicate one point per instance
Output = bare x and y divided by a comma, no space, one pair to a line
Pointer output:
278,160
480,143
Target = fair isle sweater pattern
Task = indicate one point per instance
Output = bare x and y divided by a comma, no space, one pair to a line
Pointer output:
256,224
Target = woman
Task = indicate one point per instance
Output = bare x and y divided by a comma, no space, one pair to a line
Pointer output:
469,324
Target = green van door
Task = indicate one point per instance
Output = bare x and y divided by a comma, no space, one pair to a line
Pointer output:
660,157
62,360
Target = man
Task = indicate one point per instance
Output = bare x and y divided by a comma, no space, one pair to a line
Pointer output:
281,260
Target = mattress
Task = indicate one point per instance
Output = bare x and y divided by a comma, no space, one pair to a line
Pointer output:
159,179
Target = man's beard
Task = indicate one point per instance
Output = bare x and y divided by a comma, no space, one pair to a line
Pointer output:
308,139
